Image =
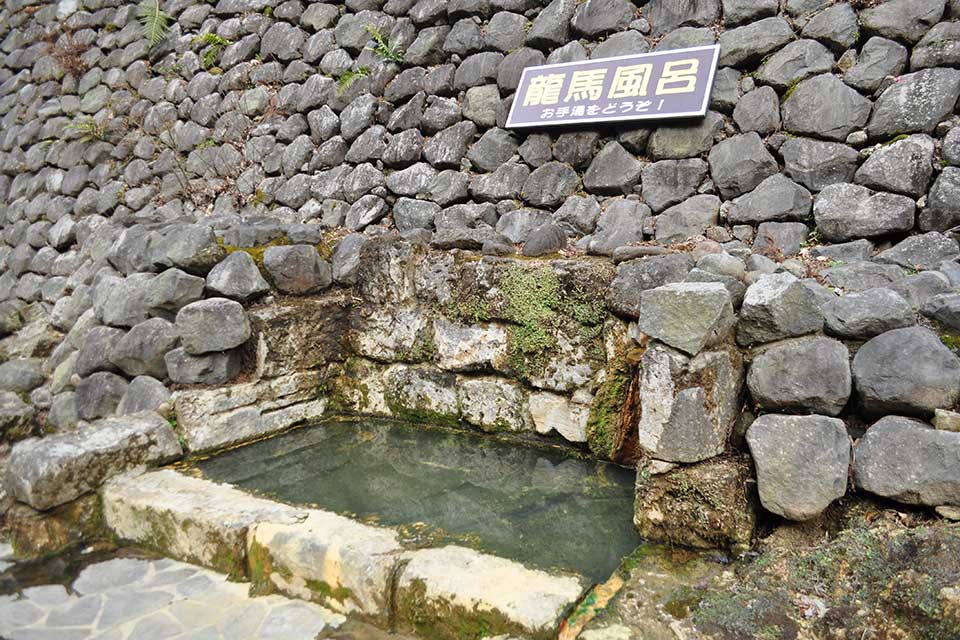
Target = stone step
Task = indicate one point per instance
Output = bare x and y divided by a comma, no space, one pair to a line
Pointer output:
456,592
51,471
188,518
349,567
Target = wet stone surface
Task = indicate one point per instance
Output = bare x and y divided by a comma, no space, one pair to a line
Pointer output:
147,599
541,506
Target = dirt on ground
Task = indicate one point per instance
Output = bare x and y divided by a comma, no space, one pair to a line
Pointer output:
870,571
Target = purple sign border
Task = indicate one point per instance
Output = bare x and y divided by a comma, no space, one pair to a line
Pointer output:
649,116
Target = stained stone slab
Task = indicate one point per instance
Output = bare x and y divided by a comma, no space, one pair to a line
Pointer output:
56,469
824,107
904,166
931,94
345,565
494,404
470,347
553,412
689,405
215,418
867,314
188,518
437,587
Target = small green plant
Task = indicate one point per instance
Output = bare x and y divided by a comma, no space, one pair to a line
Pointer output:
206,144
89,129
812,239
154,23
214,46
348,78
384,48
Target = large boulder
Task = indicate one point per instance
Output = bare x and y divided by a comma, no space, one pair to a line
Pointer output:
921,252
212,325
613,171
16,417
669,182
909,461
21,375
906,371
825,107
878,59
690,218
906,20
777,198
801,463
904,166
850,211
209,368
191,247
705,505
99,394
860,316
817,163
141,350
795,62
687,315
746,45
805,375
237,277
740,163
621,223
915,103
297,269
777,306
46,472
636,276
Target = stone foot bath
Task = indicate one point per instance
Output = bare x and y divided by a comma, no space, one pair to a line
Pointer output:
434,531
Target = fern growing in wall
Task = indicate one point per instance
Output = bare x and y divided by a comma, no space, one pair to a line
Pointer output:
214,46
383,47
154,22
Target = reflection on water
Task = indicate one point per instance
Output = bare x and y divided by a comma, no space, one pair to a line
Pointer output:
541,506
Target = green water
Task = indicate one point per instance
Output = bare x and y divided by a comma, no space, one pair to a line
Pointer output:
541,506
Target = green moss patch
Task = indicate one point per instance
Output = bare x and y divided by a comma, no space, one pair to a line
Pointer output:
882,581
438,619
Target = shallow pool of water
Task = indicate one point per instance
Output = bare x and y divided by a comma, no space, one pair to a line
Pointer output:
545,507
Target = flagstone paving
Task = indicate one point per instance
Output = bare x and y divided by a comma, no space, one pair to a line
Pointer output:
127,598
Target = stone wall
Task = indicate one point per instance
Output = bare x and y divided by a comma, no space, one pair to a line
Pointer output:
284,210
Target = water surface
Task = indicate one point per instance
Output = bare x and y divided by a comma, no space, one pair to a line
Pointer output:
545,507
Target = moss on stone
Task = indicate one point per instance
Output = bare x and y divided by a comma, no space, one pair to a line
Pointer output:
421,415
951,341
603,422
259,568
35,534
438,619
344,390
881,580
323,591
531,300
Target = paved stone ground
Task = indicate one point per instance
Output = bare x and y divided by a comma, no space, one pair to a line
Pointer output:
133,598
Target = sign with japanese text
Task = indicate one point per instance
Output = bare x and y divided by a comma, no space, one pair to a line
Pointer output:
671,84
